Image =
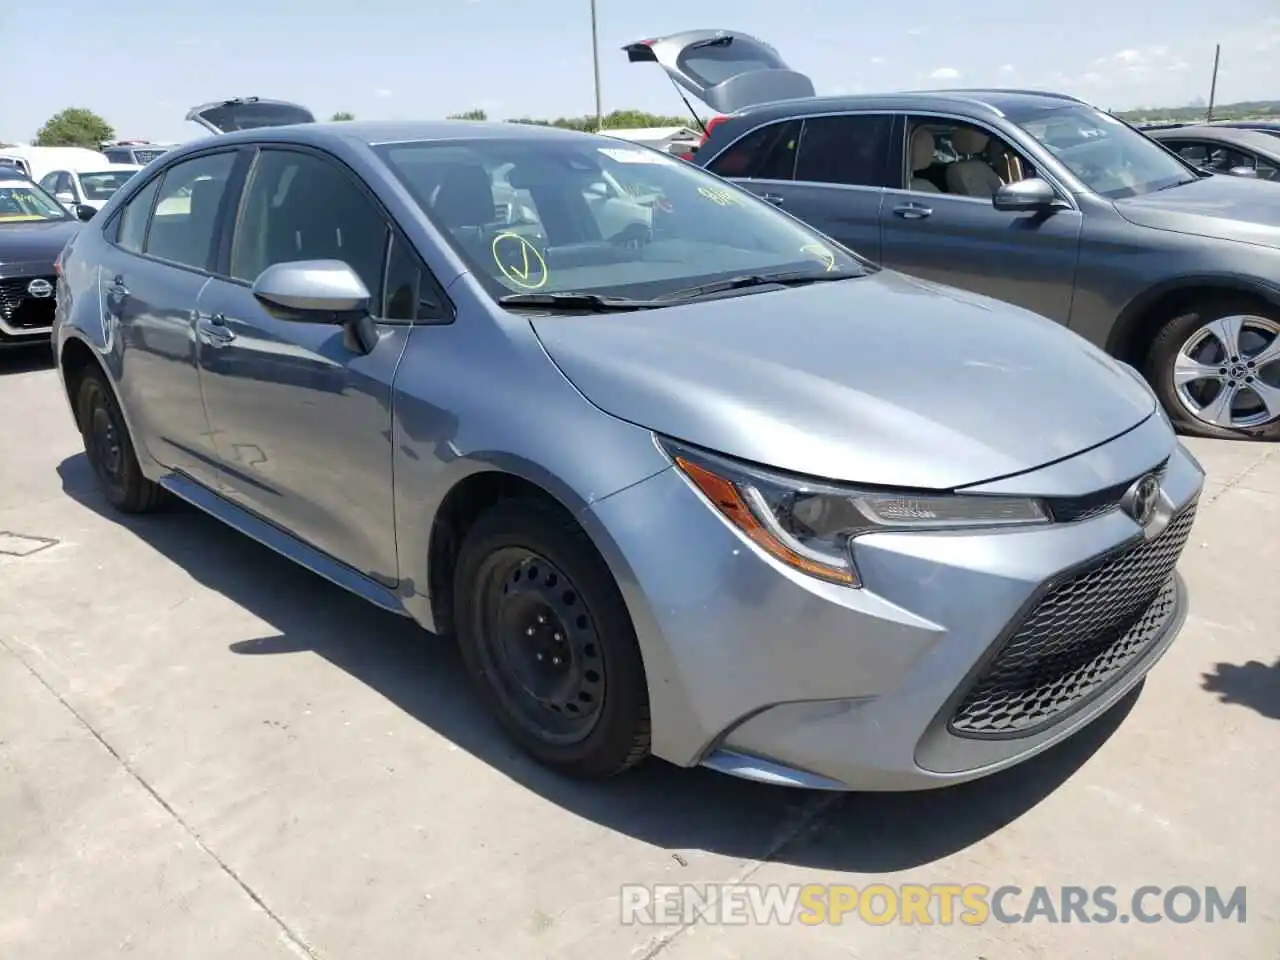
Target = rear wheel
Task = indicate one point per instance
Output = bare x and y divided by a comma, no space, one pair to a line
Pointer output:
548,642
110,449
1216,369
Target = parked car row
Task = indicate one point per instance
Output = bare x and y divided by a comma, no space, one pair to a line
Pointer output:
1037,199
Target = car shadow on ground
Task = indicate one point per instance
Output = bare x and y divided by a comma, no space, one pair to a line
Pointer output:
25,359
1253,684
669,807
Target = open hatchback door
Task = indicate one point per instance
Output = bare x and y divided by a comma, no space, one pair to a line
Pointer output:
725,70
248,113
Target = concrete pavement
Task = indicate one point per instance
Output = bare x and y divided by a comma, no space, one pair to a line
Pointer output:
206,752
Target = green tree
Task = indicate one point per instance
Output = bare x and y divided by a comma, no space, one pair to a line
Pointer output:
75,127
342,115
476,114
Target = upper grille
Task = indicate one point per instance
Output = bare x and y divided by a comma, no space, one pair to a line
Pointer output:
1084,633
20,310
1075,509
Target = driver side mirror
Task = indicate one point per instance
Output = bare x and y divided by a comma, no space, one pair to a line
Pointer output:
320,291
84,213
1026,196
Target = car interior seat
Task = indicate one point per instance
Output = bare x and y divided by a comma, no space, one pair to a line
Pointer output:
922,151
971,177
464,205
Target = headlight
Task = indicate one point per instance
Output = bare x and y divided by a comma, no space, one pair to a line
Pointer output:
810,525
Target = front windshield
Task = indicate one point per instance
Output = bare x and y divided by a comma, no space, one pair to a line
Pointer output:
1109,157
590,215
100,186
21,201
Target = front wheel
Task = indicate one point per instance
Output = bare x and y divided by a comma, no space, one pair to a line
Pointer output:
1216,369
549,643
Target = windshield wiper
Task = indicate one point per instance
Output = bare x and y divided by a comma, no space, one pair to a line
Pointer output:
793,279
576,302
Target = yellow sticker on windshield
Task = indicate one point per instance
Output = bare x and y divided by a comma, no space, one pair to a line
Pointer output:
827,257
718,196
16,217
519,261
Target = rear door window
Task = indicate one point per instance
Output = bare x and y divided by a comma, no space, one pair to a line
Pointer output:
186,211
768,153
852,149
132,231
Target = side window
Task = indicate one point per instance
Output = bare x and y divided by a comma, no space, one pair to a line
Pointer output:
1193,153
1267,170
298,206
132,231
410,293
48,182
186,210
851,150
765,154
962,159
65,184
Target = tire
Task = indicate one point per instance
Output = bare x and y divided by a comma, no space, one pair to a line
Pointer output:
1183,330
109,448
584,713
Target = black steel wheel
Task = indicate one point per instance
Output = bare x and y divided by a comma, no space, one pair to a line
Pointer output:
548,641
110,449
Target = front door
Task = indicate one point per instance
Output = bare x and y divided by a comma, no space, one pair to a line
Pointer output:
301,416
940,223
150,282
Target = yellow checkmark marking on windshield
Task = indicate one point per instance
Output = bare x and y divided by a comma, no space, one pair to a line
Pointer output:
528,270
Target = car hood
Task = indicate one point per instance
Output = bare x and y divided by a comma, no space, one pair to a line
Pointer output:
884,380
1223,207
21,242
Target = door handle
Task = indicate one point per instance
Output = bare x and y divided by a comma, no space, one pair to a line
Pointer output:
773,198
912,211
116,287
213,331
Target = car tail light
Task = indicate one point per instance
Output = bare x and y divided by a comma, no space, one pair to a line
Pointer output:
706,132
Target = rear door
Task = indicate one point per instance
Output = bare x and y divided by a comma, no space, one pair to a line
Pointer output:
248,113
724,69
162,249
830,171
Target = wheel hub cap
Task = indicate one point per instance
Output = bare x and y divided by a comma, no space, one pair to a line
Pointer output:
1227,373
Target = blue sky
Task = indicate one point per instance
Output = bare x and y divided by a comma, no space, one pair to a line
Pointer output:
142,64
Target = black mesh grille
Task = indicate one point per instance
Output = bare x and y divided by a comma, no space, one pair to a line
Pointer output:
1075,509
1083,634
22,310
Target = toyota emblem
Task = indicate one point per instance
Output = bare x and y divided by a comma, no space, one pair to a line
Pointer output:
40,288
1141,499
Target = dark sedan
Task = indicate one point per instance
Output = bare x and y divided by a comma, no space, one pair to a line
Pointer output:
1222,149
34,228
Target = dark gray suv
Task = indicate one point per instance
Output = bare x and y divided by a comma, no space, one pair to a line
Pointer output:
1034,198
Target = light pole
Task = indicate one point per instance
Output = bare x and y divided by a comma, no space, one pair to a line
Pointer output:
595,61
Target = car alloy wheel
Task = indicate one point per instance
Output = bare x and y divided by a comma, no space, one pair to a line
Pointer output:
1227,373
540,646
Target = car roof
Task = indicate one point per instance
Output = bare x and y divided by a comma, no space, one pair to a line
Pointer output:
987,101
377,132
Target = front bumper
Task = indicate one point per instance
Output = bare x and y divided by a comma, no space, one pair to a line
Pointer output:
932,674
